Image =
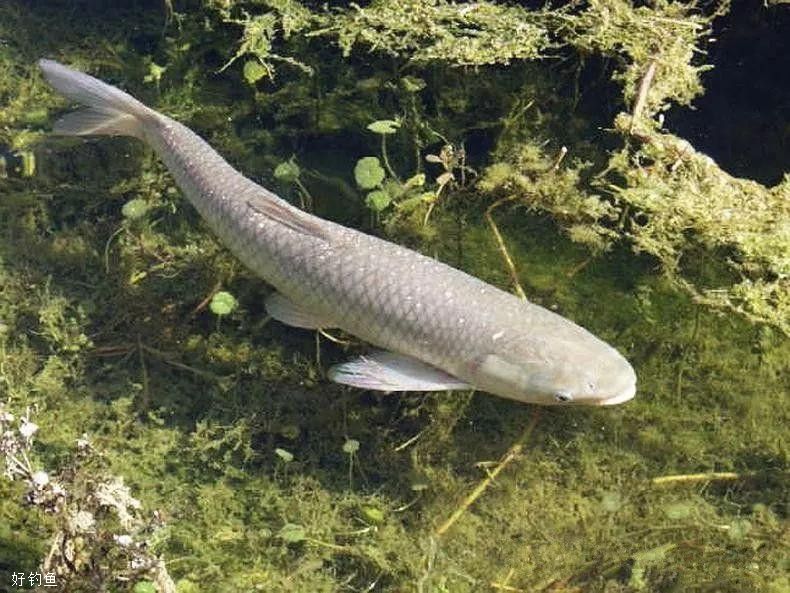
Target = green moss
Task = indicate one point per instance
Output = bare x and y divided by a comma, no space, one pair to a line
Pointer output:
437,30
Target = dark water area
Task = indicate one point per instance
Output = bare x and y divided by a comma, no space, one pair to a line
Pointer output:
743,119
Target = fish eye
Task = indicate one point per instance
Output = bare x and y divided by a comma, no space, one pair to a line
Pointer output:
563,397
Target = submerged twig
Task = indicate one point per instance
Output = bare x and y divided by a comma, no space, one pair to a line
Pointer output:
641,96
410,441
511,267
334,339
505,586
144,369
703,477
512,453
204,303
579,267
560,157
164,357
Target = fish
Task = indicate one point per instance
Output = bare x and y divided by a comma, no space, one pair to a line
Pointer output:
433,327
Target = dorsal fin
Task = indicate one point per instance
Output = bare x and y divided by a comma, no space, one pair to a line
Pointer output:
294,219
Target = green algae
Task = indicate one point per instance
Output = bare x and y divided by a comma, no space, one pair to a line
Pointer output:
108,338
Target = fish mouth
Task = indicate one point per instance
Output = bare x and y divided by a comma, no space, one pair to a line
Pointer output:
627,394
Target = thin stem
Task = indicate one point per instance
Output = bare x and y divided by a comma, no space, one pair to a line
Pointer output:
512,453
511,267
386,159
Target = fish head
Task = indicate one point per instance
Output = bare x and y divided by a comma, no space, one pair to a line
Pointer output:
558,372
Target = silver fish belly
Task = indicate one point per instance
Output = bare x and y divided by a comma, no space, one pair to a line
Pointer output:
438,327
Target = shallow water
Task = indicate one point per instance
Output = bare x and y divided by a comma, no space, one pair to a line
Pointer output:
269,478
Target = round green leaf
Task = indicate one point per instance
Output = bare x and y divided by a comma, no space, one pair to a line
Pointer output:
134,209
292,533
186,586
611,502
351,446
373,514
144,587
287,172
254,71
223,303
384,126
678,510
378,200
368,172
739,529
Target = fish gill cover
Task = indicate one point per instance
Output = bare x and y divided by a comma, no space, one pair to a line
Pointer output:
161,434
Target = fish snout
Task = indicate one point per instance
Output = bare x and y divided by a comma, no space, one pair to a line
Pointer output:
621,385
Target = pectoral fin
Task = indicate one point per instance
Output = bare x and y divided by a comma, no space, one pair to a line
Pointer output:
387,371
288,312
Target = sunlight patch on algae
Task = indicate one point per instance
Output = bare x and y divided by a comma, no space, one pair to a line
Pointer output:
663,32
440,31
680,198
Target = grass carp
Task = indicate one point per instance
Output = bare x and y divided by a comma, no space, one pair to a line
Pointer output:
438,328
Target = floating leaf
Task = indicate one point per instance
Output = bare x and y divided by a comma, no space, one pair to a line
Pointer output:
223,303
286,456
368,172
419,486
739,529
155,72
287,172
678,510
412,84
373,514
292,533
351,446
611,502
384,126
417,180
28,159
186,586
144,587
378,200
254,71
134,209
644,560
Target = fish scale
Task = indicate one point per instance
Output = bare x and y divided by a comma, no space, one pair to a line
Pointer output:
443,327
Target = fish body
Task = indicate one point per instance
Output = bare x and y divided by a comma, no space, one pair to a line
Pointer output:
439,328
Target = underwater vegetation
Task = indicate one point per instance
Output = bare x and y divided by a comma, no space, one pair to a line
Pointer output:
159,433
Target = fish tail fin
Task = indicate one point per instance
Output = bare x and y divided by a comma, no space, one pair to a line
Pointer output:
108,110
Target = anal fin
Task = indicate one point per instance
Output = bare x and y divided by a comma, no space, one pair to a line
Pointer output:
290,313
387,371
